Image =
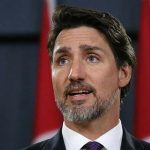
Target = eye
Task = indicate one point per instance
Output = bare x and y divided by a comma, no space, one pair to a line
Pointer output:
92,59
62,61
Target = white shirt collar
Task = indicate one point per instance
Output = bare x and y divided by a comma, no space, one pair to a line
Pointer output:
111,140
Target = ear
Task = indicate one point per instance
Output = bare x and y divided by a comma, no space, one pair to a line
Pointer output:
125,73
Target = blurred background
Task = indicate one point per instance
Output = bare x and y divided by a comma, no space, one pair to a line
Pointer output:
20,36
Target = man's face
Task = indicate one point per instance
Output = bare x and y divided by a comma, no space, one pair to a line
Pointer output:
85,77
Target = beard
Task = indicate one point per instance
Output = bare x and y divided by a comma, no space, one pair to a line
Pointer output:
79,113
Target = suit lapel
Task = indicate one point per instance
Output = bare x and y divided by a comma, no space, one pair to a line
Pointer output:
127,141
59,142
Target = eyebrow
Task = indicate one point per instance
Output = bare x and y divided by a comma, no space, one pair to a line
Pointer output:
63,50
83,47
90,47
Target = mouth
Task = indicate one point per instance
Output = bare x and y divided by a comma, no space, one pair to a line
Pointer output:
79,92
78,96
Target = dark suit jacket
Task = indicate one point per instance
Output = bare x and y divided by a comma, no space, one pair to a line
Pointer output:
57,143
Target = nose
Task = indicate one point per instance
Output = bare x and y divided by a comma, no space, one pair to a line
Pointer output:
77,71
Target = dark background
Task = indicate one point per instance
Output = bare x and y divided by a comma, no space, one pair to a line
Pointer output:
20,22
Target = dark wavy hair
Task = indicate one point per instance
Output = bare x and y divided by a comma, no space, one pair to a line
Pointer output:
67,17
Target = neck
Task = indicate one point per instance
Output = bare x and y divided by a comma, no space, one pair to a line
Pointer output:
95,128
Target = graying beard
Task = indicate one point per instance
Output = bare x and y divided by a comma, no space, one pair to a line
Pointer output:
79,113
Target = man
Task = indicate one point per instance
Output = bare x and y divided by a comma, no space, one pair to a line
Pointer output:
92,61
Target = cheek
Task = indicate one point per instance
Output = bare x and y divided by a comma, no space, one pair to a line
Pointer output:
106,82
55,81
58,80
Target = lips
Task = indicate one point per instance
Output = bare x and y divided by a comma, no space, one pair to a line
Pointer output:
77,96
79,92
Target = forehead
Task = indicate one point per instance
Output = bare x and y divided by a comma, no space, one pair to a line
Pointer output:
82,32
75,37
